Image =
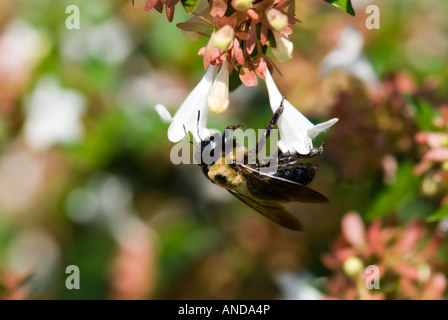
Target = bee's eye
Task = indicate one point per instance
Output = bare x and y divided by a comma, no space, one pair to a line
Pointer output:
209,140
206,142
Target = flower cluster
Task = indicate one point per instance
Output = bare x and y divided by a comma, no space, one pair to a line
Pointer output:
405,257
434,163
239,32
384,123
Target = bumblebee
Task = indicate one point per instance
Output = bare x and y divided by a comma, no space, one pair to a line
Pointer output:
260,190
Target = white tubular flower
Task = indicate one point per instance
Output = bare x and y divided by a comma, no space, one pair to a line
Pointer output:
187,115
348,56
296,130
218,99
284,47
164,114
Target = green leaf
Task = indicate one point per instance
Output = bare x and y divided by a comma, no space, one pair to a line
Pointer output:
424,114
398,195
271,39
345,5
439,215
189,5
234,80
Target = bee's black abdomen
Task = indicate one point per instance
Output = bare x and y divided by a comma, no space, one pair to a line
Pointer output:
303,173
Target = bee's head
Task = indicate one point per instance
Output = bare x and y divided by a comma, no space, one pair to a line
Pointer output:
211,141
209,150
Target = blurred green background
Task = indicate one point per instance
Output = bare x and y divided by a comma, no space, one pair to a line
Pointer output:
85,171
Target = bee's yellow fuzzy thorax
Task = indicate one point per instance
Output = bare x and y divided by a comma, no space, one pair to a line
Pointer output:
224,175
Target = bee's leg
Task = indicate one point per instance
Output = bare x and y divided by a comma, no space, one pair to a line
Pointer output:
228,140
269,127
295,157
316,150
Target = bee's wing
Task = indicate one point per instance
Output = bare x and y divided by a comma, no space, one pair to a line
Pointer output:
265,186
272,210
264,192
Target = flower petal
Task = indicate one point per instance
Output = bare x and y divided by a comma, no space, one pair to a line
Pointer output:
409,239
303,146
293,125
252,41
164,114
435,287
295,129
187,115
436,155
218,8
353,230
248,76
239,54
150,4
321,127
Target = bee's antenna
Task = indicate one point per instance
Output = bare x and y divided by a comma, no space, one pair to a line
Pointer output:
188,139
197,124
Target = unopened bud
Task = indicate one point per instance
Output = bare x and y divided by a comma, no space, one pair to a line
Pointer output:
284,49
353,266
429,186
277,19
242,5
222,38
218,99
424,272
